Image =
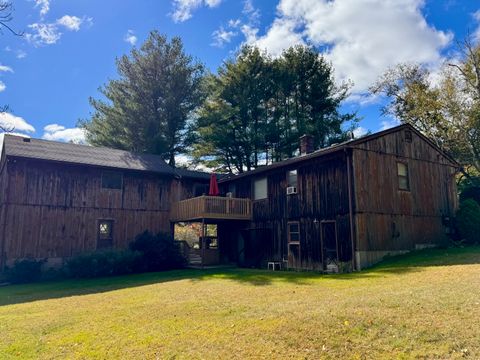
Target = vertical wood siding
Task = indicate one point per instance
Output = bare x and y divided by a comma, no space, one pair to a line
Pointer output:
391,219
51,210
322,194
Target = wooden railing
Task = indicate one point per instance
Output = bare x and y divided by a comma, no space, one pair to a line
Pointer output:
211,207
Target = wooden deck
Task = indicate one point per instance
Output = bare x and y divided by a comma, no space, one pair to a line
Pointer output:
211,207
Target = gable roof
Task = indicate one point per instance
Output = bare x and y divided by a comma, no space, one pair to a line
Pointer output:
339,147
18,146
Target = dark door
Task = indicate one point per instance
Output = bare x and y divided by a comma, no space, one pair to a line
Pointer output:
256,243
329,244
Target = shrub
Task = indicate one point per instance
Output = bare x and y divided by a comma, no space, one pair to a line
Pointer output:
472,192
24,271
104,263
159,252
468,221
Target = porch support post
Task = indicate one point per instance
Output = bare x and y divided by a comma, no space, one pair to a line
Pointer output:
203,241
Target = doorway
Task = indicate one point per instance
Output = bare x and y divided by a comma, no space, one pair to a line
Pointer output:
329,245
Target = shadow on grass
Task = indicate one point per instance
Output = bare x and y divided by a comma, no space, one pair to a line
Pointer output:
413,262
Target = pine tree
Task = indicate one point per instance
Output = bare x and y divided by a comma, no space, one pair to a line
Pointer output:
147,108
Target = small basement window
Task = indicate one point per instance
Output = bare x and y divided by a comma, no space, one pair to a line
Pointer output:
294,232
105,234
112,180
292,178
402,172
260,187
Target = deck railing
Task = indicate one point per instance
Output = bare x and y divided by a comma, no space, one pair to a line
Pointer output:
211,207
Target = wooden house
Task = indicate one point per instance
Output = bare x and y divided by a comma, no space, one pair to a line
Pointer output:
343,207
60,199
339,208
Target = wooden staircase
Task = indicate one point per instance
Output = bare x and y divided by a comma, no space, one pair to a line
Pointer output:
194,259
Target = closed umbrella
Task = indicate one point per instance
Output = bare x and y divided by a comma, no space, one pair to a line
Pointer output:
213,186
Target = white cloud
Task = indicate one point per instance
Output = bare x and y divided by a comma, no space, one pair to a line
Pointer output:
2,86
53,128
43,34
44,6
251,12
359,132
49,33
61,133
4,68
183,9
17,123
130,37
234,23
362,38
250,33
387,124
281,35
21,54
70,22
222,37
476,34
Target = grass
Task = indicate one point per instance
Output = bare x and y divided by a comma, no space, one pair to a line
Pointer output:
424,306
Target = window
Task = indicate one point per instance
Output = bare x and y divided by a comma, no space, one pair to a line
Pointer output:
408,136
260,189
292,178
200,190
402,172
112,180
232,189
294,232
105,234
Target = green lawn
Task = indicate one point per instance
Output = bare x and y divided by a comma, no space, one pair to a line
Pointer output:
425,305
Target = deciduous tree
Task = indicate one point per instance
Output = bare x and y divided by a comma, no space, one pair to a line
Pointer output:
445,106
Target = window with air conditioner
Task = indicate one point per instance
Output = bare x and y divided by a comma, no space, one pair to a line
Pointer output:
292,180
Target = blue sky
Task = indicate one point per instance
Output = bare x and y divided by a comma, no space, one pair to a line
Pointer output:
69,46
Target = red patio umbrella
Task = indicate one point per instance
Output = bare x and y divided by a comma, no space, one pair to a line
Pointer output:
213,191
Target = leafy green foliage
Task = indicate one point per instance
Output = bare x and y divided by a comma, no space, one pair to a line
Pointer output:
159,252
258,107
147,108
104,263
468,221
470,189
24,271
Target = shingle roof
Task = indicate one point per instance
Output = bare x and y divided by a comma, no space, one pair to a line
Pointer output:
332,149
194,174
83,155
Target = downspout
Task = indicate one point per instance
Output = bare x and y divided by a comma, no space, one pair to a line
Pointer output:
350,206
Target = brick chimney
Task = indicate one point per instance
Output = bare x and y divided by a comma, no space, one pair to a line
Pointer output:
306,144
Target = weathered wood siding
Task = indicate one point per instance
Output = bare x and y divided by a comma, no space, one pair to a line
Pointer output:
389,219
322,194
51,210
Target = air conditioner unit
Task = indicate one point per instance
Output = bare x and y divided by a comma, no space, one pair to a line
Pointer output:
229,194
291,190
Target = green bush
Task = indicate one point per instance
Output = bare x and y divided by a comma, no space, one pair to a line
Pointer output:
159,252
472,192
24,271
468,221
104,263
